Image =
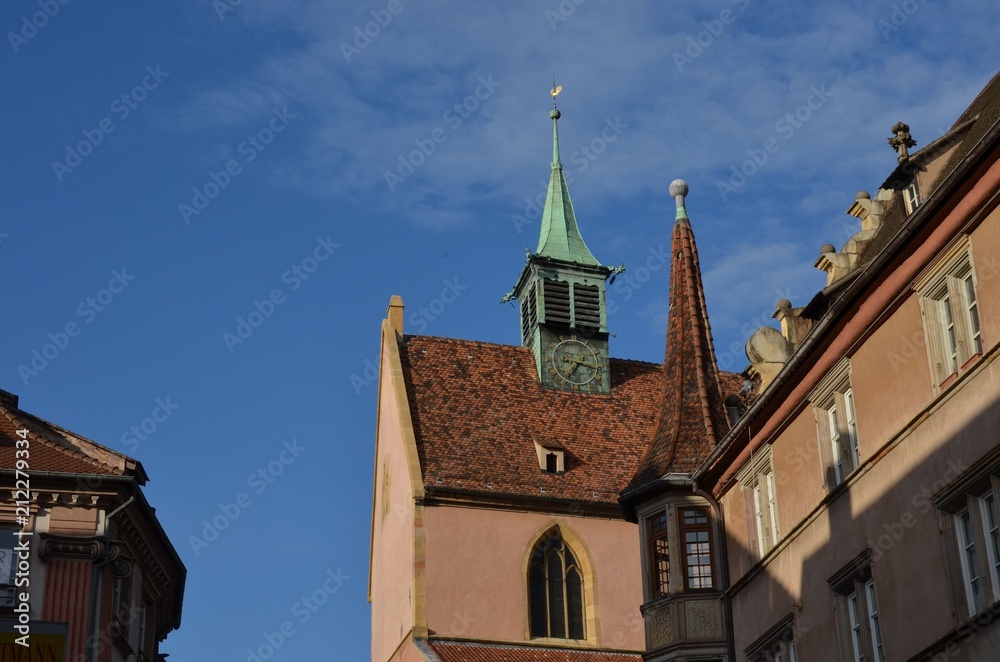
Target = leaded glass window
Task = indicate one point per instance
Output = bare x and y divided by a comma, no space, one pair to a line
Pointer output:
555,590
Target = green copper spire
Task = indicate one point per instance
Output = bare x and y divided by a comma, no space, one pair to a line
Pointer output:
560,236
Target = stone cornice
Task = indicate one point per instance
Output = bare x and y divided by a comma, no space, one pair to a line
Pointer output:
154,575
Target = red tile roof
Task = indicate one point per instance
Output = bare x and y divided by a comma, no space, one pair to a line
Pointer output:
456,652
693,417
52,448
477,409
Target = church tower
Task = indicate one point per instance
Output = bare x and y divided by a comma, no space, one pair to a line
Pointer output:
562,294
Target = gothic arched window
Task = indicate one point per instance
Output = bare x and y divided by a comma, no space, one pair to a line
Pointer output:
555,590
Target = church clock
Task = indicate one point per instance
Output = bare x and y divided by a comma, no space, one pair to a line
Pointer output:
575,364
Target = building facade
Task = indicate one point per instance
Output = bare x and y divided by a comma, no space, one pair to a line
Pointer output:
497,528
835,501
859,489
87,574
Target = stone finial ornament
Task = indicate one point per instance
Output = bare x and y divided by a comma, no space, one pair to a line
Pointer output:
901,141
678,191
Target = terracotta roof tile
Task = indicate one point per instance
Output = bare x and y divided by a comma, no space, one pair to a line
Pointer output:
51,447
478,407
456,652
693,415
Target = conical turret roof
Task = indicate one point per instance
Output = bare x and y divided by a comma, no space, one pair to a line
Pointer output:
692,416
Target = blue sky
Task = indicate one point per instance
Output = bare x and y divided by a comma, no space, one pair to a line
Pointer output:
173,168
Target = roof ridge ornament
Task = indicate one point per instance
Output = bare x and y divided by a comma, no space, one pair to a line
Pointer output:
678,191
901,140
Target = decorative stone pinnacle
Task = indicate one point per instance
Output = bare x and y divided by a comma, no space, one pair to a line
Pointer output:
678,191
901,140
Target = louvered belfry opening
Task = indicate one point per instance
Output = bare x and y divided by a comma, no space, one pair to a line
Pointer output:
587,306
529,314
555,590
585,311
557,308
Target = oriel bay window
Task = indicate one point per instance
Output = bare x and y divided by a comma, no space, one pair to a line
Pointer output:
555,590
696,542
659,562
678,537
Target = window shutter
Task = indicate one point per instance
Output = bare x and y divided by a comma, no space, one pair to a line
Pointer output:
749,508
825,447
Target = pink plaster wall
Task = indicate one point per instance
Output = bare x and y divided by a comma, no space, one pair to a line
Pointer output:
798,474
986,257
392,536
891,377
476,586
887,510
887,507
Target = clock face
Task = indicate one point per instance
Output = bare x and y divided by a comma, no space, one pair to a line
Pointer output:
574,363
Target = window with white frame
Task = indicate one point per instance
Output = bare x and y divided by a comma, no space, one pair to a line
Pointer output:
950,307
856,601
837,424
972,524
911,197
8,565
760,497
775,645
